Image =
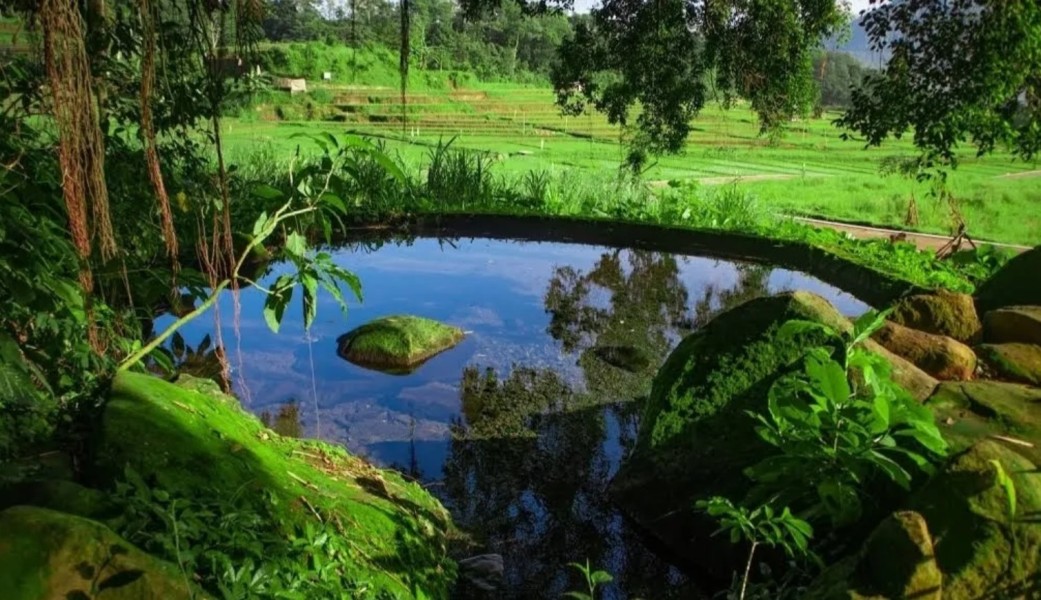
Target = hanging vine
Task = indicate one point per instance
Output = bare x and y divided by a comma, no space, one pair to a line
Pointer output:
155,174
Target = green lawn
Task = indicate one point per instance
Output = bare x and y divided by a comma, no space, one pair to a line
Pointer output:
812,171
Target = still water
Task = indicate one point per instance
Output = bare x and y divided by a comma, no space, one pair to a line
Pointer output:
519,428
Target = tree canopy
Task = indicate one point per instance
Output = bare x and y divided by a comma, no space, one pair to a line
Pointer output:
960,71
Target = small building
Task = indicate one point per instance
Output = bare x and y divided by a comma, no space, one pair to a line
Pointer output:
293,86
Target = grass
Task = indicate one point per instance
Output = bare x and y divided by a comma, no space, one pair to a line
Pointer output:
811,172
397,342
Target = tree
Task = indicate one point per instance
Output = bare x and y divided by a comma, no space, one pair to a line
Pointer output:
662,55
837,74
960,71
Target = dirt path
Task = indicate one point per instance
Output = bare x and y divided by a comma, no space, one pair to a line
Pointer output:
924,241
1022,175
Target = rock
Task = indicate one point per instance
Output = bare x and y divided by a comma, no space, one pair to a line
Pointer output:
973,411
943,313
982,551
202,444
397,343
57,494
1015,284
937,355
1013,324
695,437
484,572
1013,362
627,358
896,562
47,554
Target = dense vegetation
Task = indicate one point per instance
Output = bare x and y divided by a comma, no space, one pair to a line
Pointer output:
121,200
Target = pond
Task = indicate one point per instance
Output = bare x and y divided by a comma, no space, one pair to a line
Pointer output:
519,428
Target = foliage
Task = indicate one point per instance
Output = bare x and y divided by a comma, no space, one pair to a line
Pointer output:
593,579
663,55
837,74
840,423
958,71
229,547
1007,485
761,526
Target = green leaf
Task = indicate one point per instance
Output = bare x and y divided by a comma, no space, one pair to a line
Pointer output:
296,245
830,378
276,302
267,192
799,327
310,285
261,224
1008,485
867,324
892,469
601,577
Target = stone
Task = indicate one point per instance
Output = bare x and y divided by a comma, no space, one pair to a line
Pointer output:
627,358
484,572
192,441
1016,284
972,411
397,343
48,554
1020,363
897,561
695,437
1013,324
942,313
940,356
984,551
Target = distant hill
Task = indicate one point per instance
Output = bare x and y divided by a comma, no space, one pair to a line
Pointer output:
859,47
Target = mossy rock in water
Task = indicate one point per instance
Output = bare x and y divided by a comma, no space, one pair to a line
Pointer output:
1015,284
1013,362
1013,324
397,343
940,356
627,358
46,554
942,313
695,438
201,444
896,562
983,551
972,411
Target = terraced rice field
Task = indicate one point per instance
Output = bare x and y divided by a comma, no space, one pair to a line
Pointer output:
812,171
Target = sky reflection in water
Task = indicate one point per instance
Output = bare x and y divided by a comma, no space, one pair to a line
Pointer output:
520,427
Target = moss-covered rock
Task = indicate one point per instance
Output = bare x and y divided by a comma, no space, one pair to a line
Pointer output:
972,411
1015,284
896,562
940,356
1013,362
943,313
201,444
627,358
45,555
397,343
982,551
57,494
1013,324
695,437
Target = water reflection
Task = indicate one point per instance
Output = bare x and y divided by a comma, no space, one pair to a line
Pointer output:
520,427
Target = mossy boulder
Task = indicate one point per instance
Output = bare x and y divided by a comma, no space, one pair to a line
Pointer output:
896,562
696,438
1013,324
983,551
972,411
397,343
940,356
46,554
627,358
942,313
1013,362
199,443
1015,284
57,494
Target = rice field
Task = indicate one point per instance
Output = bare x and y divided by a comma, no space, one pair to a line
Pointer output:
812,171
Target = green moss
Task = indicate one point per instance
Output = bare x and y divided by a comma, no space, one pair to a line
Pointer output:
941,313
982,551
57,494
48,554
202,444
940,356
970,411
1016,284
1013,362
397,342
